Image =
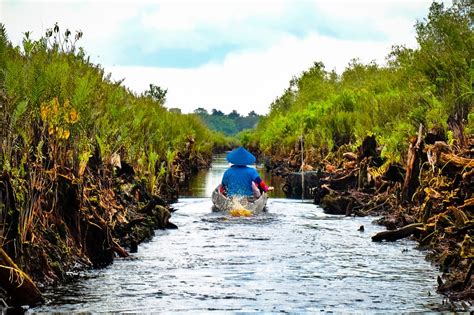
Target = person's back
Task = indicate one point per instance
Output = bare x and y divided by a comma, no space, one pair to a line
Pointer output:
238,180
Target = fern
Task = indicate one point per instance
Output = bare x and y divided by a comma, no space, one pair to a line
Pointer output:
101,145
19,111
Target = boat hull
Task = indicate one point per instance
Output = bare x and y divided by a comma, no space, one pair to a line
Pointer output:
223,203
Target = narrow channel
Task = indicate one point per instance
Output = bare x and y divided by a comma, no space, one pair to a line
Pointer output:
292,258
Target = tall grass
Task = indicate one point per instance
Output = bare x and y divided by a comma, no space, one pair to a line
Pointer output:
59,110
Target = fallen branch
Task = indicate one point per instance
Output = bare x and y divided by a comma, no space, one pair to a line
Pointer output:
397,234
450,158
442,155
119,249
18,284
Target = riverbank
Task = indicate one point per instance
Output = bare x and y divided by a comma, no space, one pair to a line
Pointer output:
87,167
430,198
101,215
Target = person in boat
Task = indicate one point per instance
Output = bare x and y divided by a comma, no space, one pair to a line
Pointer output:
240,179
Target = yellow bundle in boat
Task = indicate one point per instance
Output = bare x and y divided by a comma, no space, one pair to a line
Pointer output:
239,211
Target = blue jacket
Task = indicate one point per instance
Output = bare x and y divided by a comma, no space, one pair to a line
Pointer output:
238,180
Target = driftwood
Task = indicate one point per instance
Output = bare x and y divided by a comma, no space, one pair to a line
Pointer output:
458,161
119,249
345,182
18,284
397,234
441,154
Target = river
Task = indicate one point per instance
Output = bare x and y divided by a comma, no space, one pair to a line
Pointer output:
294,258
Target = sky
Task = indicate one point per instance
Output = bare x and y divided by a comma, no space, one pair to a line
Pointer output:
222,54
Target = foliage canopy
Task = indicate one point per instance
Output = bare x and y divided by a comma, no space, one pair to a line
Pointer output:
230,124
431,85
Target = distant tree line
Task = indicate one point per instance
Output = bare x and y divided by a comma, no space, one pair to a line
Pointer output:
229,124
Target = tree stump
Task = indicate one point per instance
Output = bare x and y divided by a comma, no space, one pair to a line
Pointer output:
411,182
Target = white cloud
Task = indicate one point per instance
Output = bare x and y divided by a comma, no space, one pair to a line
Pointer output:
99,21
249,80
199,26
188,15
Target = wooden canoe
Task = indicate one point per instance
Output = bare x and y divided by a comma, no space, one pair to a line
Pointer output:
223,203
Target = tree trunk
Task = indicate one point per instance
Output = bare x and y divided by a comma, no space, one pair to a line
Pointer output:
411,182
456,125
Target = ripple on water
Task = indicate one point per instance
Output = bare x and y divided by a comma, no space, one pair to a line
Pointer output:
293,258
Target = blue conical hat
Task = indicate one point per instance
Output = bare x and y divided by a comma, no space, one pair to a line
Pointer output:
240,156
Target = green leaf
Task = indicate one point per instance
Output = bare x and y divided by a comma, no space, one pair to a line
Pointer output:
19,111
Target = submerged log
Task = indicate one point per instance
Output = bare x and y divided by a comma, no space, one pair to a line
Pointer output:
394,235
17,284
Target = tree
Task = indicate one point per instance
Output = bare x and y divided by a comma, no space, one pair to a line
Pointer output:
201,111
157,93
216,112
234,114
446,40
229,124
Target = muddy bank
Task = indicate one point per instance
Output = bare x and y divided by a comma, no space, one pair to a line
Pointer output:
80,221
430,198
